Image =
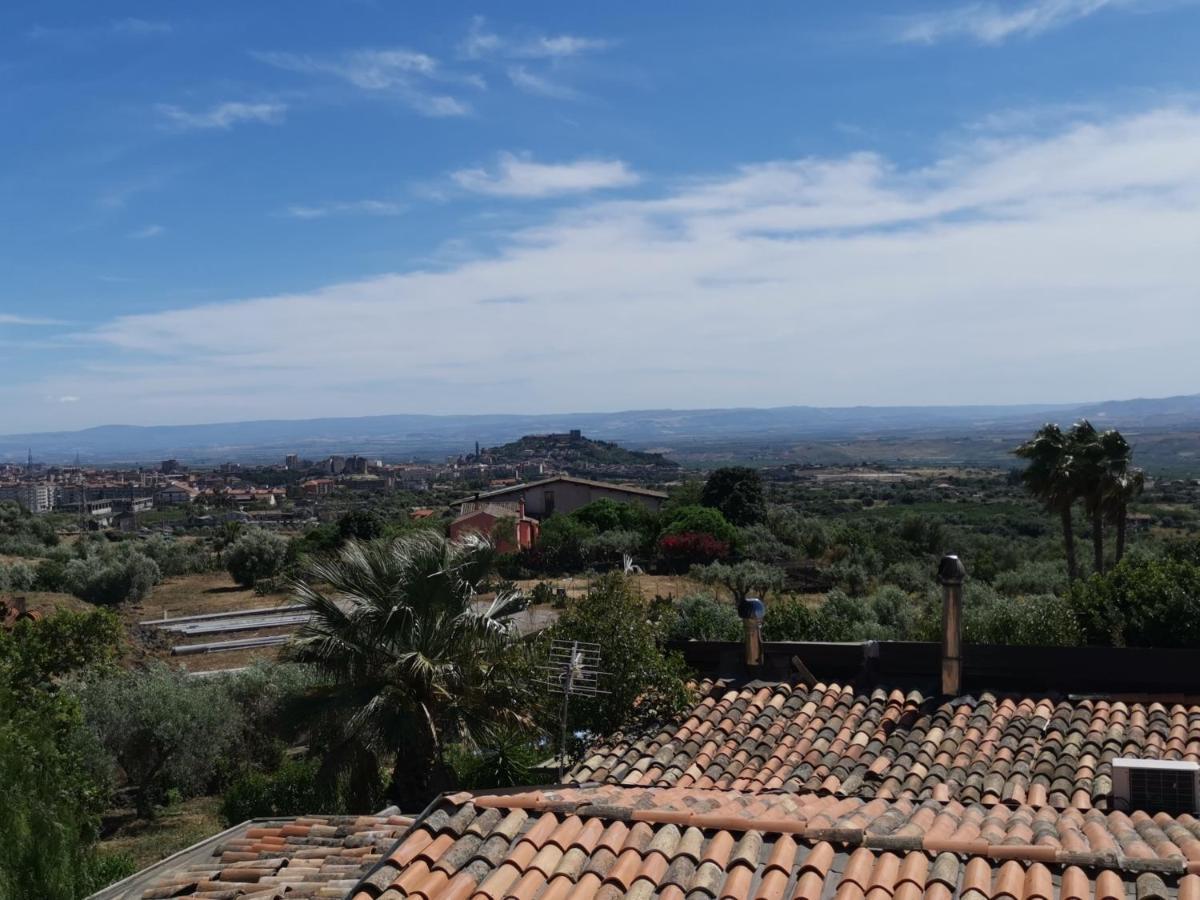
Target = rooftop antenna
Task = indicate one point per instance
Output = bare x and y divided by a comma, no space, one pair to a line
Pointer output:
573,669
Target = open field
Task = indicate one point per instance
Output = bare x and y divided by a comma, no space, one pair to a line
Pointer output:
175,828
209,592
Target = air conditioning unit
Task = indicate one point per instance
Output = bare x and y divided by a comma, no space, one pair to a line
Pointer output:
1156,785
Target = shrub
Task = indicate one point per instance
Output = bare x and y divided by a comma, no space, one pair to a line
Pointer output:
895,611
1032,578
851,577
741,579
790,619
503,757
292,790
1141,602
702,617
612,515
161,729
360,525
254,555
1041,621
19,576
758,542
101,868
561,542
643,682
612,546
682,551
108,583
845,618
913,577
701,520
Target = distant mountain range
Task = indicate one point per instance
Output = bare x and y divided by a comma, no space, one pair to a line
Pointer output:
397,437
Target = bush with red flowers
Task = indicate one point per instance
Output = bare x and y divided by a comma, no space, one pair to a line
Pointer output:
681,551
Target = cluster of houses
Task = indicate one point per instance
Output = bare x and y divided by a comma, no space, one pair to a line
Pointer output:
511,515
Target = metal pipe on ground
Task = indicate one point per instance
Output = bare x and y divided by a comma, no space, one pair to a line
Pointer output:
222,646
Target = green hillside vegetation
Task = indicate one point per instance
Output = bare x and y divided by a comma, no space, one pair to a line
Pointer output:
571,451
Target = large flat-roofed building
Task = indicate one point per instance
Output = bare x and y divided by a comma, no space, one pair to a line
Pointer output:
35,497
561,494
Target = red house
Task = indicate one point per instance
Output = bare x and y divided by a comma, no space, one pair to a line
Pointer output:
510,530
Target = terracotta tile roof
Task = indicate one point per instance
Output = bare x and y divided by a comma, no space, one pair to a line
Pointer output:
305,857
988,748
600,844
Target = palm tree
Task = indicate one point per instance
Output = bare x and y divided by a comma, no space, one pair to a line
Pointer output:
1122,483
1052,478
1091,471
412,663
1108,483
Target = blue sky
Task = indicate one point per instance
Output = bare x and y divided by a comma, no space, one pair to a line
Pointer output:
219,211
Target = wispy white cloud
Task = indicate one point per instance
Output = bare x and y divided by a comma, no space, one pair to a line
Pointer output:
344,208
992,23
85,34
13,319
140,27
150,231
817,280
397,71
68,398
532,83
223,116
481,42
520,176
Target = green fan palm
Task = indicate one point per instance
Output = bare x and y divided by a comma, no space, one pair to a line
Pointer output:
412,661
1053,477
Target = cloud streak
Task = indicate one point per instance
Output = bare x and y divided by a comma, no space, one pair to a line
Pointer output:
397,71
222,116
828,280
481,42
346,208
13,319
521,177
989,23
539,85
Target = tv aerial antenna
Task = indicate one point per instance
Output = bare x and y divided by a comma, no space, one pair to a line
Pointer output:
573,670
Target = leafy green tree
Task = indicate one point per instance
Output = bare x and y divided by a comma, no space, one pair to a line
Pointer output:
1142,601
561,543
293,789
162,729
701,520
1053,477
255,555
108,582
360,524
606,514
790,619
50,794
413,665
702,617
741,579
610,547
644,683
737,491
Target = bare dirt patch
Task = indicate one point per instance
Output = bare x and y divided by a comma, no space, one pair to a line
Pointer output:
191,595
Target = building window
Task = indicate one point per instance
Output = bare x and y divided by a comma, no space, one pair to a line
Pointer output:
547,502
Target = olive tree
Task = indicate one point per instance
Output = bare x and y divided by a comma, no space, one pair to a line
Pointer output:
255,555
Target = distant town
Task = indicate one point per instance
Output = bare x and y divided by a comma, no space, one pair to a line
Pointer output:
292,492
